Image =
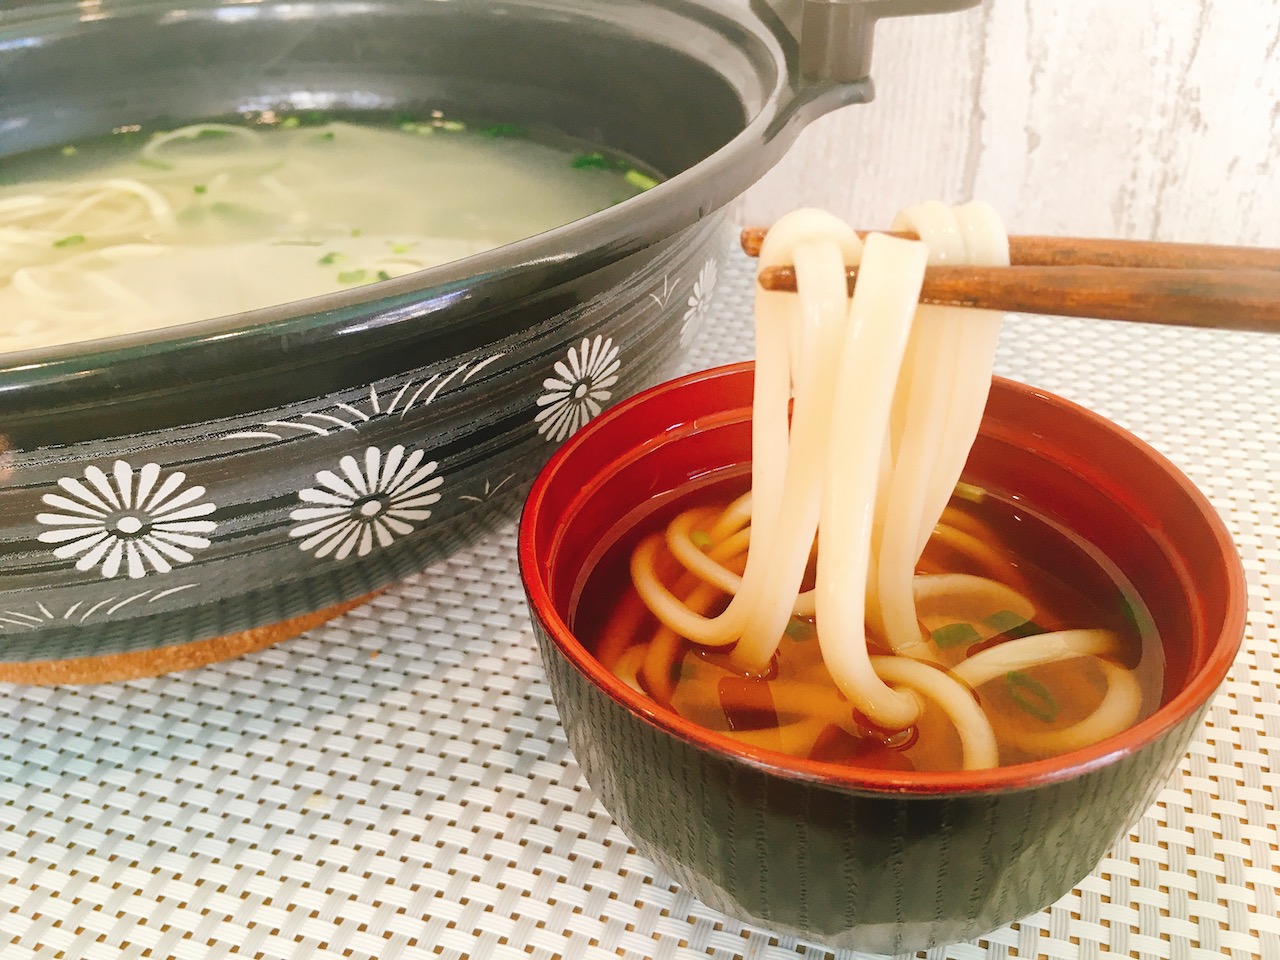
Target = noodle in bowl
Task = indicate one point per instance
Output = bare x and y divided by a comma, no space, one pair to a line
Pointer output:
866,855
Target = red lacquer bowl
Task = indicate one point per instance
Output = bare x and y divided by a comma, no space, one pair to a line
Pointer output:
879,860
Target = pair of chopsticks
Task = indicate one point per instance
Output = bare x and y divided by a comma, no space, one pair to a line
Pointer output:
1183,284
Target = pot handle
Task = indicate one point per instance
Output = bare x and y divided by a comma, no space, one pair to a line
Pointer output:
835,35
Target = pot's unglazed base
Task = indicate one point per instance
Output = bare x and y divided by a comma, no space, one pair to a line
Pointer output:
171,659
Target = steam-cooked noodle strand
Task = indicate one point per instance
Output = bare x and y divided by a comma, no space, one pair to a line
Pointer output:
864,412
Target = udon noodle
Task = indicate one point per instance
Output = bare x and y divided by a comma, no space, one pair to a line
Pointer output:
864,412
140,231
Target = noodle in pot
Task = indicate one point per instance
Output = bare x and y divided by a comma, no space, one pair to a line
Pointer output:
133,233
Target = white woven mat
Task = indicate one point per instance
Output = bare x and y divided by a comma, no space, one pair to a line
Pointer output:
396,784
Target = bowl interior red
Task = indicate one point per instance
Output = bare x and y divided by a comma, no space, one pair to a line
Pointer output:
1068,464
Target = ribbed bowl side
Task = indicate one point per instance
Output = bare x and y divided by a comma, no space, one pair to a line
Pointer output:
878,873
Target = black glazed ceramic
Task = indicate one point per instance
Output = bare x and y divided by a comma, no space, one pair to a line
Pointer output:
217,476
867,871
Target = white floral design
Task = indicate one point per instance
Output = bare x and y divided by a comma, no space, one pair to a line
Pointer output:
81,611
138,522
411,395
359,504
490,491
699,301
580,390
668,287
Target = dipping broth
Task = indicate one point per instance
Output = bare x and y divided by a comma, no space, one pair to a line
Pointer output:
795,707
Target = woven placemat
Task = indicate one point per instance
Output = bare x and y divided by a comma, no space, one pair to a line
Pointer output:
395,784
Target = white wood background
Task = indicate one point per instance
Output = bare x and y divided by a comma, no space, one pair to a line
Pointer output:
1150,119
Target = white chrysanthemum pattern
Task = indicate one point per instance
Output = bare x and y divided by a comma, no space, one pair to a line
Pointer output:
580,389
126,521
699,301
366,503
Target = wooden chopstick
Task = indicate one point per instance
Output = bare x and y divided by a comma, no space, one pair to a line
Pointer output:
1182,284
1222,299
1026,251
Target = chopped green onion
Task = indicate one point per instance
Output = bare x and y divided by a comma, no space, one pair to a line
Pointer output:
970,491
413,126
1135,615
327,135
383,275
954,635
234,211
356,232
199,188
155,164
640,180
451,125
352,276
598,161
799,630
288,123
68,151
207,134
70,241
1042,706
400,248
1004,621
330,258
700,538
315,118
1011,626
504,130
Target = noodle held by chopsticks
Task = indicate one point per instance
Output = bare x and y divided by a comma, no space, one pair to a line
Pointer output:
862,421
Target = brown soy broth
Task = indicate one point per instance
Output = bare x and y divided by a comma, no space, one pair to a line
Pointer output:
1074,587
607,578
1071,584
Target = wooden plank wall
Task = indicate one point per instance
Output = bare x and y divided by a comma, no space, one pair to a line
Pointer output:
1155,119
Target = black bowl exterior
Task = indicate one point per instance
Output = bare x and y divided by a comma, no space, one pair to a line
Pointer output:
149,538
864,871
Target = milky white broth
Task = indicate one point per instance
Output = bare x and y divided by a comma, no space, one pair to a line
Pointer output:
146,231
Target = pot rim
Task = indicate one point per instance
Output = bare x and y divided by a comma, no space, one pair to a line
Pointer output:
1194,694
552,257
